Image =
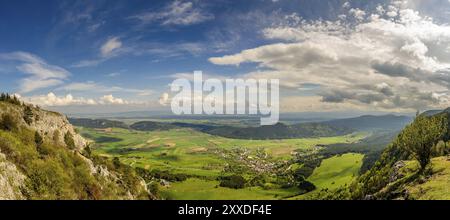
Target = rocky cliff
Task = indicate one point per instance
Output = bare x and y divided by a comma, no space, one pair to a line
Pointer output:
39,161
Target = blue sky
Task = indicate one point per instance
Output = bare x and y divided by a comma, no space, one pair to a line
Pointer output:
104,55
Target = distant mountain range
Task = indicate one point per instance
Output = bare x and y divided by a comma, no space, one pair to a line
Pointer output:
97,123
435,112
371,122
280,131
277,131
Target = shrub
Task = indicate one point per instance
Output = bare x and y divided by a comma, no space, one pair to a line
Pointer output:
116,163
306,186
8,122
28,115
38,139
56,139
154,189
233,181
161,174
68,140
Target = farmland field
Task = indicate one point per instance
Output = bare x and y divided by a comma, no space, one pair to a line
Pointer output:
203,157
336,171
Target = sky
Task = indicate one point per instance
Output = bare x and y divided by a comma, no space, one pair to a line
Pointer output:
330,56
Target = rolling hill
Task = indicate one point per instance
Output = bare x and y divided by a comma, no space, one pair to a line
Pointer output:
97,123
371,122
277,131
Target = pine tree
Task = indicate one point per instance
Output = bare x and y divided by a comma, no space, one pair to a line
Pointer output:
421,136
28,115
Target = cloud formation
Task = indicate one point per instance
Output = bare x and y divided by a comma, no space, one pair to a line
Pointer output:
390,58
94,87
181,13
52,100
110,49
110,46
39,73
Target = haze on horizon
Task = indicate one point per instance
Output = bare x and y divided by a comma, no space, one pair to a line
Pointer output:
333,57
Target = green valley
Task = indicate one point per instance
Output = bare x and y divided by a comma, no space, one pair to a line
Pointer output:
201,159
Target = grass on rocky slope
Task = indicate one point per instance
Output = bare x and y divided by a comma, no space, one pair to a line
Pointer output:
434,187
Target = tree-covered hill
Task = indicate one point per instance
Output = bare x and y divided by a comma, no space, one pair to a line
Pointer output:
280,131
277,131
97,123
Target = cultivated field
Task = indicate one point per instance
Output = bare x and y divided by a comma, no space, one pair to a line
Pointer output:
203,157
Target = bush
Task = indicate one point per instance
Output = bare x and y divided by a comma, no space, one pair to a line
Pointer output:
234,182
9,122
154,189
68,140
56,139
306,186
38,140
161,174
28,115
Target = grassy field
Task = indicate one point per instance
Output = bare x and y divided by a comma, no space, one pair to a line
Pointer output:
189,151
196,189
198,154
336,171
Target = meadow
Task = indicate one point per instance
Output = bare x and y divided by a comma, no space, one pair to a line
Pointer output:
199,155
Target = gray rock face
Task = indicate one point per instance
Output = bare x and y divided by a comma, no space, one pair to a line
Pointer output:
49,122
11,180
46,123
395,173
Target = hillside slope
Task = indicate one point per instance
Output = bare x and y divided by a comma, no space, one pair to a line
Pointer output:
392,177
436,186
43,157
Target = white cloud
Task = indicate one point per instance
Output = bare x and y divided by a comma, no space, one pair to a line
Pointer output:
346,5
110,99
88,63
94,87
164,99
52,100
40,73
176,13
386,62
110,46
110,49
115,74
358,13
